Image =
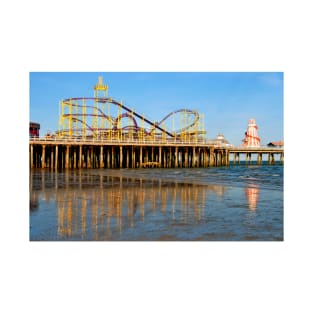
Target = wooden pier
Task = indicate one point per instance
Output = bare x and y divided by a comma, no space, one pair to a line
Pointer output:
75,153
269,152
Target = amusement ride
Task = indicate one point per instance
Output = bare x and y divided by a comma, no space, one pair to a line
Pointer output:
103,118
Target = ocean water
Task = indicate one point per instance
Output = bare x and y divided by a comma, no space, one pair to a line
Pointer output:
235,203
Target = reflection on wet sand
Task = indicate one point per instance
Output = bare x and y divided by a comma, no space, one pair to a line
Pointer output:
33,202
252,194
94,207
123,206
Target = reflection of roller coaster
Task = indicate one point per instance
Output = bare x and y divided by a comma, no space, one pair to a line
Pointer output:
102,117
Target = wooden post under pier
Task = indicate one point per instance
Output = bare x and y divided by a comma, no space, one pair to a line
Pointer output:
43,156
101,157
259,160
211,158
79,162
51,159
31,158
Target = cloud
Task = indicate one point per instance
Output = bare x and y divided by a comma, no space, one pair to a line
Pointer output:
274,79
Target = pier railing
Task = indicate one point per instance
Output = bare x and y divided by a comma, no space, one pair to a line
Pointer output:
115,141
234,149
167,141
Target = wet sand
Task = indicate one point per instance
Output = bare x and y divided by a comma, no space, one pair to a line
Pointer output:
105,206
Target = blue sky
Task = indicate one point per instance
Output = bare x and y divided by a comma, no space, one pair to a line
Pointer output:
227,100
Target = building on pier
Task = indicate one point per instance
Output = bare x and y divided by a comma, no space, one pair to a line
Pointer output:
34,129
220,141
278,144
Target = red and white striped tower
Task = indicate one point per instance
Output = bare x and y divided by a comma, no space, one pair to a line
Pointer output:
252,139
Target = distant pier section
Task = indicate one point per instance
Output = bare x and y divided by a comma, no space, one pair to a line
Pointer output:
273,155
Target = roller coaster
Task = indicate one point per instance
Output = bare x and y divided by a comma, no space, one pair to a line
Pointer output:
104,118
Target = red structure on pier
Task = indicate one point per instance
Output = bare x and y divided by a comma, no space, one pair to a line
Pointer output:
251,135
34,129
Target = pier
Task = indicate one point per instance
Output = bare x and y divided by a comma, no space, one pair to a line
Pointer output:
101,132
75,153
72,154
262,154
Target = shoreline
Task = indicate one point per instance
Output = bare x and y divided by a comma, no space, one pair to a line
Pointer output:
144,175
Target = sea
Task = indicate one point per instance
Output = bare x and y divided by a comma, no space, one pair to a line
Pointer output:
240,202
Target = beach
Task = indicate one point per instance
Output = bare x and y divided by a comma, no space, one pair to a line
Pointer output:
238,203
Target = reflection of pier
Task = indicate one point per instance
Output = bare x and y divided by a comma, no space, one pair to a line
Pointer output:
99,205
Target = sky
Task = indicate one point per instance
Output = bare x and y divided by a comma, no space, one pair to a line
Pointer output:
227,100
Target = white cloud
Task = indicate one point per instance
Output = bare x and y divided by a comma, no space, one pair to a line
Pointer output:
272,79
